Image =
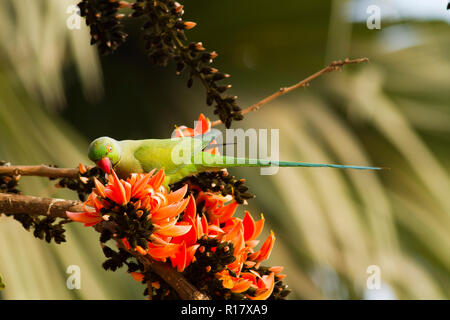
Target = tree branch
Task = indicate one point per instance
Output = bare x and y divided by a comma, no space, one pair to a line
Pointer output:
336,65
185,290
22,204
41,171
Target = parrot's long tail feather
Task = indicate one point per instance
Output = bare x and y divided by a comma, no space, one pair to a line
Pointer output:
228,162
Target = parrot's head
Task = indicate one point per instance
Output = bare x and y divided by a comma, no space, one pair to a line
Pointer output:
105,152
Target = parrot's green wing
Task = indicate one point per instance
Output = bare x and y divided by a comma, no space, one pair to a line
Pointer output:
157,153
174,155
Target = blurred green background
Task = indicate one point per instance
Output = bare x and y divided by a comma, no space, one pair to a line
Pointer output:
57,94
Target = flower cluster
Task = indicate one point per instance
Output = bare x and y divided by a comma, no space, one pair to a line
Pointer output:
104,21
44,228
155,227
193,228
165,40
164,35
8,184
144,213
226,262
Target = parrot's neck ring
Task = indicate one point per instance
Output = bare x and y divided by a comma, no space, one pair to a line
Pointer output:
115,163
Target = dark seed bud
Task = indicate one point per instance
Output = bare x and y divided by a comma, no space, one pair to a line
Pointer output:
219,76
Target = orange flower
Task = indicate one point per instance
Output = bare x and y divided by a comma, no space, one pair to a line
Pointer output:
184,256
265,286
142,196
227,280
252,229
162,252
91,216
235,284
216,208
202,126
146,193
137,276
265,250
88,218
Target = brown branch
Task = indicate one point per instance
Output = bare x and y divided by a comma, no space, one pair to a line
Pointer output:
41,170
22,204
185,290
336,65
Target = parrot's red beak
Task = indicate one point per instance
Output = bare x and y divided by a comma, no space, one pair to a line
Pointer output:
105,165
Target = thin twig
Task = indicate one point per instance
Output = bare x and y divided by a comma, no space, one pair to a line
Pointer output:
336,65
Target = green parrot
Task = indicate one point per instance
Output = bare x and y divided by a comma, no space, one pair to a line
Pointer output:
180,157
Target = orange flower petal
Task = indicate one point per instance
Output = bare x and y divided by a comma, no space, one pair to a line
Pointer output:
127,188
264,293
163,252
189,237
126,243
98,204
191,253
179,132
99,187
258,227
180,258
138,190
177,195
88,218
137,276
170,210
241,286
249,226
227,211
265,250
156,239
214,228
252,243
157,180
234,233
204,225
276,269
174,231
249,276
191,209
116,191
82,168
141,250
203,125
227,281
222,213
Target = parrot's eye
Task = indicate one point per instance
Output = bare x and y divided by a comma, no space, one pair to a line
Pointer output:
108,148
